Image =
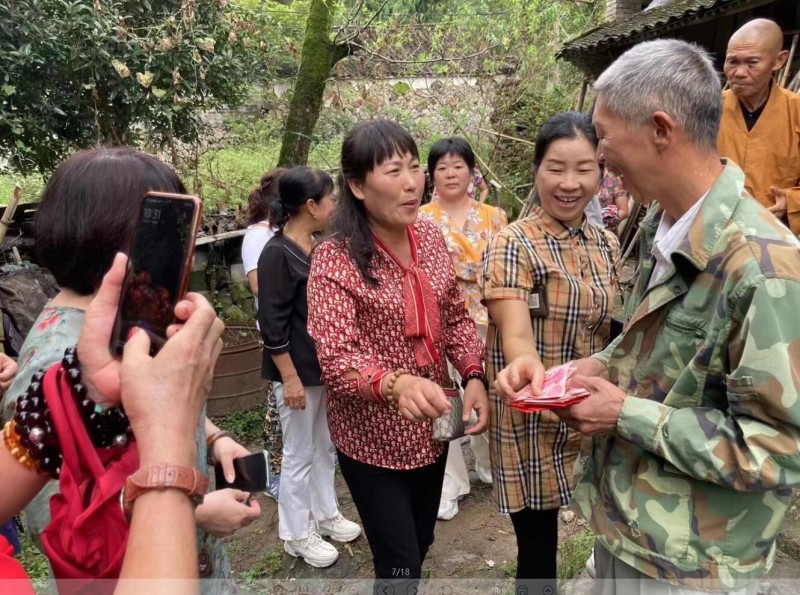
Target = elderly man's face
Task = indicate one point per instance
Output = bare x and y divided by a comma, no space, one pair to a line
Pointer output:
749,65
623,148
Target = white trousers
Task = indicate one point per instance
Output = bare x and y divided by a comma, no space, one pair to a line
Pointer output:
456,476
307,472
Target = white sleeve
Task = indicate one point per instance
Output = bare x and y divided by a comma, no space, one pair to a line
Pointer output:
255,238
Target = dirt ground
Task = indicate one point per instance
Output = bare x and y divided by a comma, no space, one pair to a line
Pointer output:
478,544
477,547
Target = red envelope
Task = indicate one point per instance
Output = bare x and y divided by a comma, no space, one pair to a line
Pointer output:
554,393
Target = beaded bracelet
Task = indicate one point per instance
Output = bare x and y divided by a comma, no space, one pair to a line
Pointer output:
391,399
33,427
15,448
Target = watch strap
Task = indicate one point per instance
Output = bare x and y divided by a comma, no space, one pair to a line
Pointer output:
160,477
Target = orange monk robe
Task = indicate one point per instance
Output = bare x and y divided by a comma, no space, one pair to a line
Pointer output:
769,154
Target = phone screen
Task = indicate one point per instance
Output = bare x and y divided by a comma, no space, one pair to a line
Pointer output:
252,473
158,264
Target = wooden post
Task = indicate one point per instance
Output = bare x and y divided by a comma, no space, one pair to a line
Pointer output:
788,67
5,222
582,96
794,86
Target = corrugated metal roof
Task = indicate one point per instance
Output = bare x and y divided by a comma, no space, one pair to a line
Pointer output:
643,23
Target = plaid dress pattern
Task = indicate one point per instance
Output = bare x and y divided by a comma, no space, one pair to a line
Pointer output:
533,454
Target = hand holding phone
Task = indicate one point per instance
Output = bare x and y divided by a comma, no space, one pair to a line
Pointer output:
160,258
252,473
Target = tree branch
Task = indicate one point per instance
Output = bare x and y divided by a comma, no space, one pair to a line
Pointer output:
344,49
363,27
443,58
350,18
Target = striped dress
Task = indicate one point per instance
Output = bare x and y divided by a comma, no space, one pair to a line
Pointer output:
533,454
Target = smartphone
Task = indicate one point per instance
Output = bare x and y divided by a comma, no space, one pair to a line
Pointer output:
159,262
252,473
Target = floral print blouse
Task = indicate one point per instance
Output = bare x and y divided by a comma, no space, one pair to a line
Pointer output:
466,246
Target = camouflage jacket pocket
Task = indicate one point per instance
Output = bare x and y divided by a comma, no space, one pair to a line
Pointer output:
670,366
656,508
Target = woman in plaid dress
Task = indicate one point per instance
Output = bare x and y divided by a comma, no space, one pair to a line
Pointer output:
549,283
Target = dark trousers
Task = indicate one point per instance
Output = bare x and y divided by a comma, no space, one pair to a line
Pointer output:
537,545
398,511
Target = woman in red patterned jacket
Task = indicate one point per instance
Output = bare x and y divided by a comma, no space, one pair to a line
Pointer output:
386,314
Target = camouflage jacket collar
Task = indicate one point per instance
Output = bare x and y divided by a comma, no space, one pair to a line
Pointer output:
692,255
715,214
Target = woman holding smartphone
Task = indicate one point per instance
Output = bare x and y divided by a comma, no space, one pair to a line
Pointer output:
88,212
307,506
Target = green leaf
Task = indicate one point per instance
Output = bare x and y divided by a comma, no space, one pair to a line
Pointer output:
402,88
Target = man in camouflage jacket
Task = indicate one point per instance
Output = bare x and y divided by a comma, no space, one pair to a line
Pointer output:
697,429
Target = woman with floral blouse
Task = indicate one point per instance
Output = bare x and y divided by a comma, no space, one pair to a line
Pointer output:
386,313
467,225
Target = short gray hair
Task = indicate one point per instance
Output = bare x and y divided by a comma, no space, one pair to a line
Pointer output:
666,75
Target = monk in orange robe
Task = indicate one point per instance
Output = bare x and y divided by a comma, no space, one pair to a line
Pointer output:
760,127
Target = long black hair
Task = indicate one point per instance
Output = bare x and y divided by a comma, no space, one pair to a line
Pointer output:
295,187
563,125
368,144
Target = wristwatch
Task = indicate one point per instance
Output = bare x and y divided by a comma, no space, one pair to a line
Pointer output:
162,477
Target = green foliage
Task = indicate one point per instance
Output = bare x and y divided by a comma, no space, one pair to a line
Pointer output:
246,426
31,186
509,569
34,563
227,175
572,556
77,72
319,53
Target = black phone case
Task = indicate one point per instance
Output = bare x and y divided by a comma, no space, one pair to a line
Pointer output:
252,474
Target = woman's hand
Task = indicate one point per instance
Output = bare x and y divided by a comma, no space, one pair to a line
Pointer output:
224,512
8,369
294,395
100,369
522,371
163,395
476,399
419,399
224,451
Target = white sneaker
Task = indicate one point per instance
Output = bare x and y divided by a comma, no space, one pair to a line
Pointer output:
313,549
339,529
447,510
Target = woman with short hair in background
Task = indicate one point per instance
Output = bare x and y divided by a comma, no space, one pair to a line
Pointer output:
259,230
467,225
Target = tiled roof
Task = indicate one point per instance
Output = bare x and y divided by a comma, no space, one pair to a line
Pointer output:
645,25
